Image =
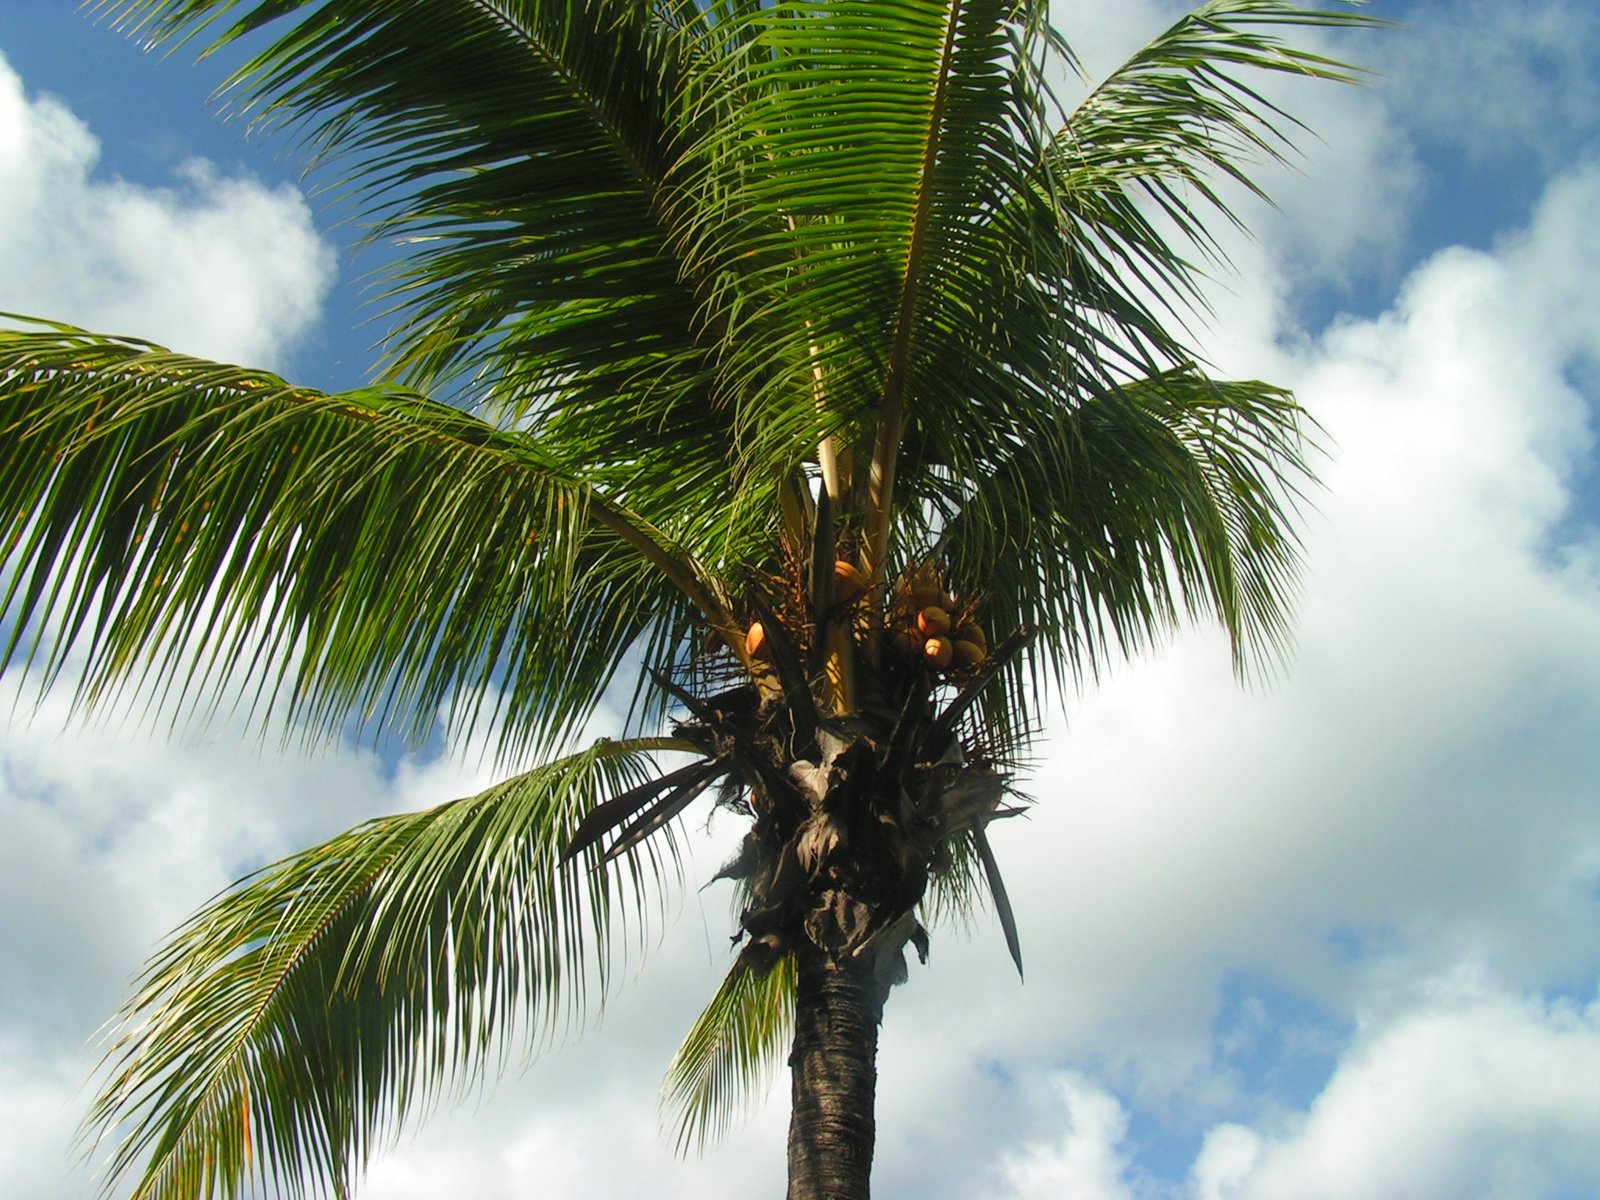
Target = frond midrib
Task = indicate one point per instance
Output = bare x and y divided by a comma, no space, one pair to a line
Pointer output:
495,11
629,527
891,412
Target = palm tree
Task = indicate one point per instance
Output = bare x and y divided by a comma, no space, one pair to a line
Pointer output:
765,359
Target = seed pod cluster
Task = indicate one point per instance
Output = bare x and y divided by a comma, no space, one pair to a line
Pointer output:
849,585
926,626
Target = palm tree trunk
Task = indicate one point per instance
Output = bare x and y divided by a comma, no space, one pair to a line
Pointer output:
834,1078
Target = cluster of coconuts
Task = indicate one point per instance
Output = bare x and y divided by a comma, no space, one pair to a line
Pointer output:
849,585
924,628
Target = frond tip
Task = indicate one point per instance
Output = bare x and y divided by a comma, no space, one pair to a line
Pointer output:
294,1022
727,1061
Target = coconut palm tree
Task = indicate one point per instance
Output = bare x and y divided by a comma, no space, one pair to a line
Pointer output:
808,370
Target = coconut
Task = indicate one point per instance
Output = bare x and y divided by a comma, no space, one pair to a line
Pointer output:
933,620
848,582
755,642
966,654
937,652
905,643
971,631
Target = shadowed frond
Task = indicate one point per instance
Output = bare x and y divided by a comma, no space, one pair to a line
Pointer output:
291,1026
997,894
371,551
955,897
726,1063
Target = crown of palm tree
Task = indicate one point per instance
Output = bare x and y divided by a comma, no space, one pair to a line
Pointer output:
698,298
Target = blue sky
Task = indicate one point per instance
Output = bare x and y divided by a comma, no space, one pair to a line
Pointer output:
1334,935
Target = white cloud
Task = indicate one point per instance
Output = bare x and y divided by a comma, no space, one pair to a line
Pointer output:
1087,1163
1469,1092
1420,791
112,837
1344,210
1496,79
1227,1157
215,266
1472,1095
1104,36
38,1115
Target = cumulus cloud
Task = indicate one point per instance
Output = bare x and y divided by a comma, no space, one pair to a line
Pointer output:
212,265
1497,79
38,1113
1087,1163
1469,1092
1417,792
115,836
1473,1094
112,838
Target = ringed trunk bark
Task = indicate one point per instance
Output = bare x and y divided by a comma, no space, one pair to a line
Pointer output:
834,1076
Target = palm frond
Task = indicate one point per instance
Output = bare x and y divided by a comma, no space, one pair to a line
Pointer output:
520,150
370,551
293,1024
1107,241
997,893
955,889
1156,141
1168,498
836,179
727,1061
517,146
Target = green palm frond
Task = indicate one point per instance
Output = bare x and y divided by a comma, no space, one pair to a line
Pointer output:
838,187
727,1061
371,551
1168,498
517,146
523,151
291,1026
1108,237
1157,139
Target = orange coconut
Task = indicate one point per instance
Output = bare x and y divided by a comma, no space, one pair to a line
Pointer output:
848,582
755,642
